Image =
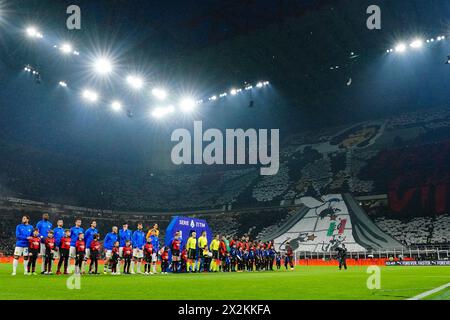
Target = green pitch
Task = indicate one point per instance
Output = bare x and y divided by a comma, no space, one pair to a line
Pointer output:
304,283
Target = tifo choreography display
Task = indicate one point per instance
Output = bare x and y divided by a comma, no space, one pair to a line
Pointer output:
125,251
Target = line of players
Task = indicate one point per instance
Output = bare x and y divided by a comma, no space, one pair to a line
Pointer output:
136,248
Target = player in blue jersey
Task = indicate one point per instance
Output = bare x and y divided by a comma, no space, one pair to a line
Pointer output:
24,232
88,237
155,243
108,245
138,242
44,226
74,232
58,233
124,235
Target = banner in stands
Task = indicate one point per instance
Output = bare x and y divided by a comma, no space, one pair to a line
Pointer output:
185,226
419,263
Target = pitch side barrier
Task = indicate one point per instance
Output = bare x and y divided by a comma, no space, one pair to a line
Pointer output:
424,253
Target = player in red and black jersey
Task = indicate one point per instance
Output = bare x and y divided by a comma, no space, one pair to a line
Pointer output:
175,247
148,252
127,255
94,254
115,257
34,245
183,260
164,252
80,249
64,252
50,248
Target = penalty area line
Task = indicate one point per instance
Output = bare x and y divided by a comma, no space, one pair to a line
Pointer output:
429,292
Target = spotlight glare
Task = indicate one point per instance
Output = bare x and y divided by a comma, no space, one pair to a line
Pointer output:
416,44
32,32
103,66
63,84
213,98
160,94
187,104
401,47
90,95
233,92
135,82
116,106
259,85
161,112
66,48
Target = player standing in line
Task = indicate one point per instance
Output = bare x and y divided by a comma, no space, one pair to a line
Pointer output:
49,252
155,244
34,247
138,242
124,235
74,232
108,244
94,247
164,259
148,252
222,253
88,237
184,260
24,231
64,252
115,257
153,229
202,242
191,246
44,226
127,255
278,261
80,247
233,256
58,232
175,247
214,246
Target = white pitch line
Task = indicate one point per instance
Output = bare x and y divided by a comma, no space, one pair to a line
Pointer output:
430,292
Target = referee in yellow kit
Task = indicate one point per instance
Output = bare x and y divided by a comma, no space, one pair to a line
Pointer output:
191,247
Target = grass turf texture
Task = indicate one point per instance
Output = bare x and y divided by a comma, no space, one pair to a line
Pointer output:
305,283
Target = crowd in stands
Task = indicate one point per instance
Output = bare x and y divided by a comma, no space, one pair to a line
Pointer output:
320,162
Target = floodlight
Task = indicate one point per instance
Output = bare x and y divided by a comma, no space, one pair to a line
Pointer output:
116,106
90,95
102,66
63,84
159,93
401,47
187,104
161,112
135,82
66,48
416,44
